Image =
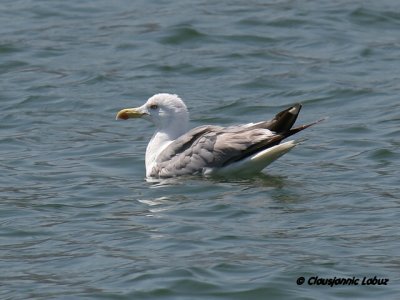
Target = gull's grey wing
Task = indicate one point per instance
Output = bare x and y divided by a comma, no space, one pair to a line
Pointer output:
215,147
185,141
211,147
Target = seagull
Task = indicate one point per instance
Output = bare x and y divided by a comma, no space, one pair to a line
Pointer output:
244,149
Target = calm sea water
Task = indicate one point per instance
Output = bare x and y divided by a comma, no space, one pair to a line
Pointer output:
78,220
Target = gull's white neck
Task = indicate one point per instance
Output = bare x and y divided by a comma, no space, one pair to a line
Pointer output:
161,139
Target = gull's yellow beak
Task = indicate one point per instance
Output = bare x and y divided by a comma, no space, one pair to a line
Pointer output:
128,113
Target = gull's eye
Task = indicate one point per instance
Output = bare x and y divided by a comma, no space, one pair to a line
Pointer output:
153,106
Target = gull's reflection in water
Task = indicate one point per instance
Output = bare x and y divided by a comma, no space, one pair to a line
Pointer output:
256,180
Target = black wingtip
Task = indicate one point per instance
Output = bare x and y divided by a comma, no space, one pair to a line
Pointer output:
295,109
302,127
285,119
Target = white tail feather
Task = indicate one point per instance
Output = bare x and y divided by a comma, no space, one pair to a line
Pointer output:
255,163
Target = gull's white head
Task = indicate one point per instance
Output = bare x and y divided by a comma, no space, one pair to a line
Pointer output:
164,110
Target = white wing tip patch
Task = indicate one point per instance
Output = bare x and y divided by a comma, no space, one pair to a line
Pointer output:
294,110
